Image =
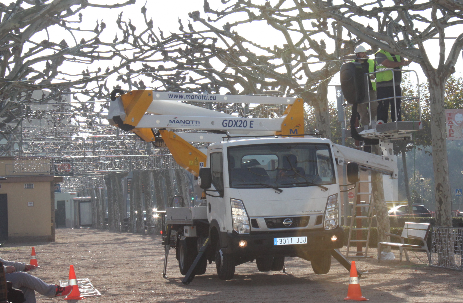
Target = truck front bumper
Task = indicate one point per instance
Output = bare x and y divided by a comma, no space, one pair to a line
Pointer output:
264,243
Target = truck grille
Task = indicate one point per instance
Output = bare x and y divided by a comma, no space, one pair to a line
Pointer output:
287,222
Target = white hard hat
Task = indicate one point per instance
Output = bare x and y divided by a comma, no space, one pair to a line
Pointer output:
360,49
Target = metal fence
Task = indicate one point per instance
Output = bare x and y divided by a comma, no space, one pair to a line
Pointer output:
447,247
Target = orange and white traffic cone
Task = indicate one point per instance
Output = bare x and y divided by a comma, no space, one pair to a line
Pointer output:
353,292
33,258
75,293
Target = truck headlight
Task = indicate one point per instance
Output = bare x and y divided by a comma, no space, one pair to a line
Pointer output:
240,217
331,212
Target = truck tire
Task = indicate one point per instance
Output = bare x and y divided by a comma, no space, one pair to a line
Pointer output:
321,263
264,263
186,254
225,265
278,263
202,266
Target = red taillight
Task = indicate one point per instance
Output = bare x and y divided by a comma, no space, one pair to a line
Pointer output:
161,232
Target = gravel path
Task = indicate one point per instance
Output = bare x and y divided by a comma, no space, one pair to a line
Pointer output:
127,267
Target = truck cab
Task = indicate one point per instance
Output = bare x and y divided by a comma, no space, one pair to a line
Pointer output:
271,198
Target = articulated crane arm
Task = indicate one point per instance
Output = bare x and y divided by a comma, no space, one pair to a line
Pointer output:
384,164
144,110
185,154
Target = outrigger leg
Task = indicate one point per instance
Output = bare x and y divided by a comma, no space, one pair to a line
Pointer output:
166,243
166,254
344,262
191,272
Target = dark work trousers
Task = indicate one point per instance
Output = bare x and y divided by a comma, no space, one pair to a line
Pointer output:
383,106
28,284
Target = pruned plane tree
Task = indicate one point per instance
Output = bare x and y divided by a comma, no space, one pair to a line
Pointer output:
429,34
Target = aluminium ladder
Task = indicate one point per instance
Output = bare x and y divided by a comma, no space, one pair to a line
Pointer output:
361,219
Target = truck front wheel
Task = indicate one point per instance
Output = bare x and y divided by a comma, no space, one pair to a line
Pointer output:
278,263
225,265
186,254
321,263
202,264
264,263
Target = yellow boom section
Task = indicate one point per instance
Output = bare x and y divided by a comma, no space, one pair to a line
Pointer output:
146,134
135,105
293,124
183,152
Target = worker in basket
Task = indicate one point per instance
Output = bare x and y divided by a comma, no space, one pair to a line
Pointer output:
369,67
388,85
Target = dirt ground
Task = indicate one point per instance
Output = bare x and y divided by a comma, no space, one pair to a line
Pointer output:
127,267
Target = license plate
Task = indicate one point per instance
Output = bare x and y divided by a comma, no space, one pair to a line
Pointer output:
290,241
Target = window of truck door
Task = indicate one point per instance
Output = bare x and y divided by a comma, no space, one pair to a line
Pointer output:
217,171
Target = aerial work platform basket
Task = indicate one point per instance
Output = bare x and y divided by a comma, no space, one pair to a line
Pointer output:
353,82
390,131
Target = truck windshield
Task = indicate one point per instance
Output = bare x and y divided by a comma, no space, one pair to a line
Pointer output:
280,165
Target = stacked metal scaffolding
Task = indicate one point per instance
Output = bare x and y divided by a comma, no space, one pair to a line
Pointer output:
80,143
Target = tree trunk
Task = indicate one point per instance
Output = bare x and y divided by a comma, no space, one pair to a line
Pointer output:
158,191
182,186
94,200
440,166
439,152
322,111
140,227
121,200
133,197
147,199
110,183
170,190
101,208
379,203
406,181
107,179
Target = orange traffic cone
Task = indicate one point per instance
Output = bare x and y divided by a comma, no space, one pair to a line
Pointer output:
33,258
353,292
75,293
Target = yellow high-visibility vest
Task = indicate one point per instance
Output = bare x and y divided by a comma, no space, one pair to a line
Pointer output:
385,75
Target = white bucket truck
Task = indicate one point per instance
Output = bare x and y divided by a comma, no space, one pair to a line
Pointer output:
269,192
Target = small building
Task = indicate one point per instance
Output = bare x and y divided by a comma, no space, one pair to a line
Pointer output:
72,211
27,210
64,206
83,214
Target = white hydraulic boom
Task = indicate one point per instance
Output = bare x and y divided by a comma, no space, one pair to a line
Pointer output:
142,111
162,110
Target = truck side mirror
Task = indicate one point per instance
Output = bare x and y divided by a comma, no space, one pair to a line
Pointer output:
352,172
205,178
